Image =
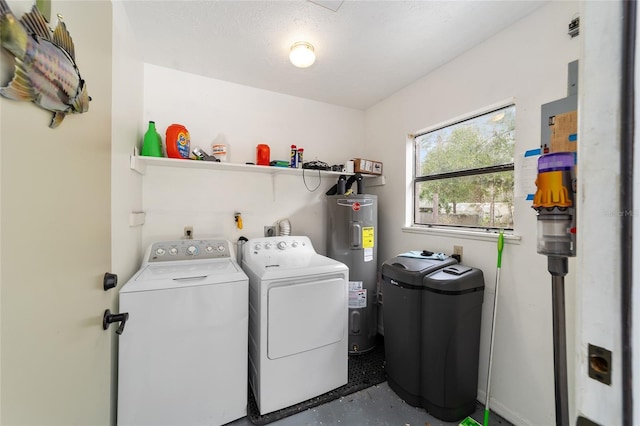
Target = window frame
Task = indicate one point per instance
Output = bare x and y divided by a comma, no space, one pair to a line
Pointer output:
415,180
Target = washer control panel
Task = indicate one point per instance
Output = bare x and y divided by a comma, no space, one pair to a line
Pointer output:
170,251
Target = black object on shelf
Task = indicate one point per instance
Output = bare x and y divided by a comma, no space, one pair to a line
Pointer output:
316,165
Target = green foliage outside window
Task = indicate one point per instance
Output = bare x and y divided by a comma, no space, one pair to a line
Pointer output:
464,172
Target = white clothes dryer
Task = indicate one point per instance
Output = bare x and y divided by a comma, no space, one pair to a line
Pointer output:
298,311
183,353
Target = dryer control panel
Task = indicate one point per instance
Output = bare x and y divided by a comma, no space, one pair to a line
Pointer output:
171,251
282,252
292,245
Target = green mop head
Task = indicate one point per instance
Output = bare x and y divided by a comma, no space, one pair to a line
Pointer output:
469,421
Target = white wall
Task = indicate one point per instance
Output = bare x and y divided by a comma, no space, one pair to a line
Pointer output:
242,117
527,62
126,185
599,211
127,133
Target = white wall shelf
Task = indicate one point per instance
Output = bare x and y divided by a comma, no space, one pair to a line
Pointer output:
140,163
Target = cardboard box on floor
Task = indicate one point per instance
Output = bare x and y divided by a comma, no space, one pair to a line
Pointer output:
360,165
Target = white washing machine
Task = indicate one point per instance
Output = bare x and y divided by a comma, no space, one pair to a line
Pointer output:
298,308
183,351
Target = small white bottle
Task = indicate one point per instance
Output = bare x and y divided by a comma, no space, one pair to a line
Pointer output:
221,151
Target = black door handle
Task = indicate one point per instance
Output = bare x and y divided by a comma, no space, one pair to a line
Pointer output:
108,318
109,281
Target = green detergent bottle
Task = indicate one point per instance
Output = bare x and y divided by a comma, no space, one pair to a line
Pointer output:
152,144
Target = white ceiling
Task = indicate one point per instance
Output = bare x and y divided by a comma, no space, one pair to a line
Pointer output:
366,50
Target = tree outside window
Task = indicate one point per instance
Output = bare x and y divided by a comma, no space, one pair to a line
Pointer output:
464,172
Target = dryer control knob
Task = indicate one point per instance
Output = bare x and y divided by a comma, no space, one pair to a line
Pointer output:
267,246
282,245
160,251
258,246
192,250
294,244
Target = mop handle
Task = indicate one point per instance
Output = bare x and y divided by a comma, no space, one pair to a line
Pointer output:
500,247
493,328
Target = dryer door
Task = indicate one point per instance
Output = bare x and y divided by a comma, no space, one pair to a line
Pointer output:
305,315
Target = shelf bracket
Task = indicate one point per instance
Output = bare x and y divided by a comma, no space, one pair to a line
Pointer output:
137,165
375,181
273,187
136,218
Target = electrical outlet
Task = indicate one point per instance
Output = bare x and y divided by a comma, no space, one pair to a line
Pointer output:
457,250
188,232
269,231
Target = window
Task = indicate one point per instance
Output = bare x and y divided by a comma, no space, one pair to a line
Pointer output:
463,173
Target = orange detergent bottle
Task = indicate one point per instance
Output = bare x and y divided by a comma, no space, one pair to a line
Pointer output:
177,141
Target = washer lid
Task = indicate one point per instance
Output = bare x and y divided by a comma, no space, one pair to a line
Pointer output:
183,274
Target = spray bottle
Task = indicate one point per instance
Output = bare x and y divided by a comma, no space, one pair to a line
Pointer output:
293,162
300,157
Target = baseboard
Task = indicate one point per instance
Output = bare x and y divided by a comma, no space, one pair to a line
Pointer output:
502,410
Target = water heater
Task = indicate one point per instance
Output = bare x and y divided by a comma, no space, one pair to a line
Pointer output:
352,239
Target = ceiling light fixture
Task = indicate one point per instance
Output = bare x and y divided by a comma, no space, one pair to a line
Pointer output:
302,54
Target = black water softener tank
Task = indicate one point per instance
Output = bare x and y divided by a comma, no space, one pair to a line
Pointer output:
432,311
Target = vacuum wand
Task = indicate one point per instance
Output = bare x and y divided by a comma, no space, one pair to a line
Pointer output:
558,267
555,207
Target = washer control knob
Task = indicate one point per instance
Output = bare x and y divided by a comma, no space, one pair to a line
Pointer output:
258,246
192,250
282,245
160,251
267,246
209,249
221,247
173,251
294,244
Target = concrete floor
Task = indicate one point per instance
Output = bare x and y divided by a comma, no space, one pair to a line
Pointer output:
377,405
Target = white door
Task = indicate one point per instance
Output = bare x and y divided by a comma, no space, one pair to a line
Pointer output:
55,242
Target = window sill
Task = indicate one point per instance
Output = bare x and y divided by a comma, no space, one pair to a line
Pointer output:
509,236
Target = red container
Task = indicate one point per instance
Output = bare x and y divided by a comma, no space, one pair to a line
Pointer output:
263,155
178,141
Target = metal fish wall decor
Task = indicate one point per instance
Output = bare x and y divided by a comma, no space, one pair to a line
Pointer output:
45,68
